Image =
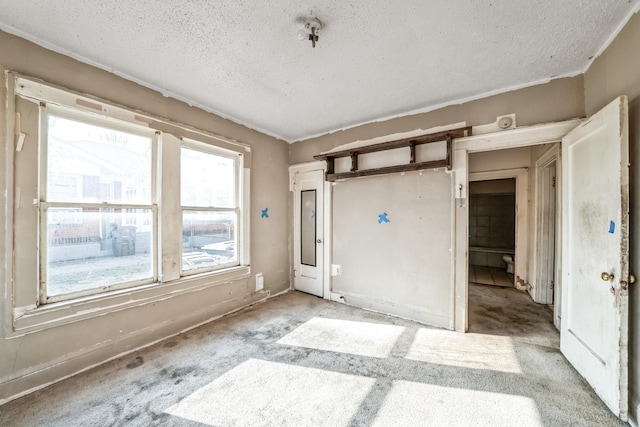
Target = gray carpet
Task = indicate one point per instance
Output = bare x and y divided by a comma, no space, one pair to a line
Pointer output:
298,360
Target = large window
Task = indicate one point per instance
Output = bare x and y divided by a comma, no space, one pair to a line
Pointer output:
122,205
97,214
209,200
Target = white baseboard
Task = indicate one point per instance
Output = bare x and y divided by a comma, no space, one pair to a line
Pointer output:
404,311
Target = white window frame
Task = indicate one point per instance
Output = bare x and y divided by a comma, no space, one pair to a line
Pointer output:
238,163
95,120
24,310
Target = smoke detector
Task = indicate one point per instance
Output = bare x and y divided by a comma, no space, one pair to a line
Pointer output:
505,122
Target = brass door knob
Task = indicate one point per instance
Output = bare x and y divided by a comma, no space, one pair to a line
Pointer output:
632,279
606,276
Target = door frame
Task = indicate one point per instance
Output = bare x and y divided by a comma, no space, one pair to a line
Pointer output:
294,170
521,175
550,157
519,137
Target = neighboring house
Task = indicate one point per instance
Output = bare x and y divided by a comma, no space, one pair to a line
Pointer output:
89,172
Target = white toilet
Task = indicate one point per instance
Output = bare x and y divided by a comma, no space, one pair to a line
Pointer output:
509,259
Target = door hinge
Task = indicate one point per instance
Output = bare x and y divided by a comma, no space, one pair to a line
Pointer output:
553,182
551,285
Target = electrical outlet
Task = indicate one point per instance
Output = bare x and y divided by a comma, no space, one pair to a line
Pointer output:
259,282
336,269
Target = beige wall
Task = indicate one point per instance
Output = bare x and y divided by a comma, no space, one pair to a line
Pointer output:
557,100
499,186
35,359
501,159
614,73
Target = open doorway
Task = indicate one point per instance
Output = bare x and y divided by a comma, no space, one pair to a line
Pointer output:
492,232
594,169
512,241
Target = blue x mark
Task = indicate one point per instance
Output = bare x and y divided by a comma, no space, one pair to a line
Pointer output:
383,218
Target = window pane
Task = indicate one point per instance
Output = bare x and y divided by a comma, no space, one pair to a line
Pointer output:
208,239
206,179
93,248
88,163
308,227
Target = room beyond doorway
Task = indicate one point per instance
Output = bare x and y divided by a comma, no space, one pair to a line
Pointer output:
492,223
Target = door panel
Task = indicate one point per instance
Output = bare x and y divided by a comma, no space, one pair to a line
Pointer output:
594,241
308,234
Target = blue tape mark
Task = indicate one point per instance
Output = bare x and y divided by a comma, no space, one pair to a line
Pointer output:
313,214
265,213
612,227
383,218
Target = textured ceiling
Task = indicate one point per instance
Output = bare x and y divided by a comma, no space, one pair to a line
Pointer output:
375,59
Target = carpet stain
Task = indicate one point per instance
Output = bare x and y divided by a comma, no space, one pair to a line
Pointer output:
170,344
178,373
146,386
138,361
132,417
117,411
154,415
182,372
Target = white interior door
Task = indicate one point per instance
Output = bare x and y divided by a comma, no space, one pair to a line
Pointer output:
595,252
308,234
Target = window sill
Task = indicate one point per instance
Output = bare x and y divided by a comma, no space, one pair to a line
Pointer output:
33,319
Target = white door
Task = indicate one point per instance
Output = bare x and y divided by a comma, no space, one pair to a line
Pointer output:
595,252
308,234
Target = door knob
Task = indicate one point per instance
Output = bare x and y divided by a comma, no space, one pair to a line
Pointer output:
632,279
606,276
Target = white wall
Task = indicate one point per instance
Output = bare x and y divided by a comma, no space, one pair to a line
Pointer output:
403,267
